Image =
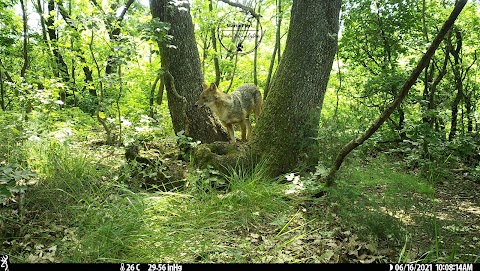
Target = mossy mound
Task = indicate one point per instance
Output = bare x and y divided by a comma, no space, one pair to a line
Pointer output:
223,155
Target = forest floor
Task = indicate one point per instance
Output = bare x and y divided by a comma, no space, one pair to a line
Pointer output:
438,222
376,212
458,207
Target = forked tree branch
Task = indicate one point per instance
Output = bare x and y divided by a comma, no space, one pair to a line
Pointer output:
245,8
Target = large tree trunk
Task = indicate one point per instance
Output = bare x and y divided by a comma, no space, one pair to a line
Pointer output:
183,63
286,131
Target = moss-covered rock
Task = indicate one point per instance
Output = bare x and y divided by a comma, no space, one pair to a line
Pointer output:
223,155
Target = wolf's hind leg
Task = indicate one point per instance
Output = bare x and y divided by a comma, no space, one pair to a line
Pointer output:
231,134
257,108
249,128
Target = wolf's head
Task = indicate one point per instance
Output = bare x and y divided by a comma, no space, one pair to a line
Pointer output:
208,95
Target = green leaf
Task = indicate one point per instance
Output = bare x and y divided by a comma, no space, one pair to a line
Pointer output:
18,188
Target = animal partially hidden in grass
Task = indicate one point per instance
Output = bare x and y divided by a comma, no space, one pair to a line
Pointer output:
233,108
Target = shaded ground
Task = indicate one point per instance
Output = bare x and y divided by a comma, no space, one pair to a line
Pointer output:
378,215
391,217
458,213
375,214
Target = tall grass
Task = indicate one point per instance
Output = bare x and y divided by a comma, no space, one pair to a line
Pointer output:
107,222
202,222
105,215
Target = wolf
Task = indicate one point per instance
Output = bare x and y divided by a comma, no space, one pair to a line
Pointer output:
233,108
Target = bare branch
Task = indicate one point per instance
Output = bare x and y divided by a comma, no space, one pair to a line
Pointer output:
127,6
473,62
9,78
245,8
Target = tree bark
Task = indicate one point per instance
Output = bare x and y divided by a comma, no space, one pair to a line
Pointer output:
255,56
286,131
245,8
182,61
216,63
61,69
270,72
458,82
403,93
279,27
26,61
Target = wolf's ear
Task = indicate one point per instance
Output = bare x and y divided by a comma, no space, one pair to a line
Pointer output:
213,86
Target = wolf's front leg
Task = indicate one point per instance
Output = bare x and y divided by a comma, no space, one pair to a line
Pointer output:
244,129
231,134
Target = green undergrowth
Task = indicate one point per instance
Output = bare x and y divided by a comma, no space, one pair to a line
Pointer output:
74,213
376,198
79,210
204,223
382,203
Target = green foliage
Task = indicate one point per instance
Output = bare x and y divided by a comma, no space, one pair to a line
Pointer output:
156,31
210,179
65,175
108,227
13,180
213,217
11,136
383,26
359,199
143,128
105,214
186,145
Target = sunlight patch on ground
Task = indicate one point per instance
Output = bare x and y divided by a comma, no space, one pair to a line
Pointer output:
468,206
399,214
